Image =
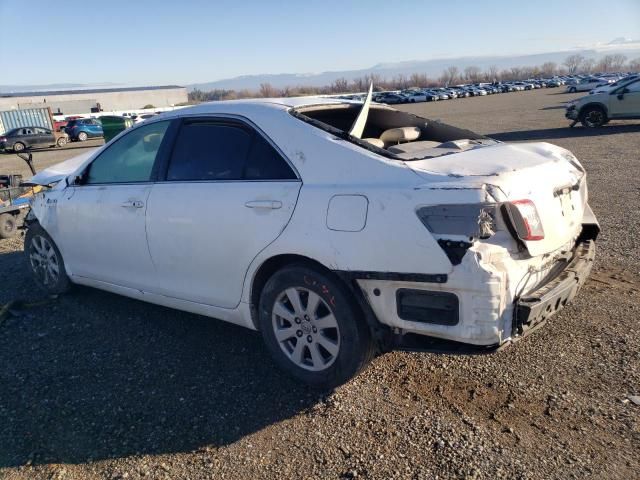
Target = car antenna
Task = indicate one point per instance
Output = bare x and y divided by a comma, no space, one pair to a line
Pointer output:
358,126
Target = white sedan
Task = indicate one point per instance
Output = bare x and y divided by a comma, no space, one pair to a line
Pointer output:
337,229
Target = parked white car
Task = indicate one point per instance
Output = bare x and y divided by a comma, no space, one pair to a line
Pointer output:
335,243
584,85
621,102
610,86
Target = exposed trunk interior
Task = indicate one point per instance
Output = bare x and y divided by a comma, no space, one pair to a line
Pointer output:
431,139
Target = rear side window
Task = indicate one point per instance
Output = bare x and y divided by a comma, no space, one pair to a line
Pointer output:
216,150
265,163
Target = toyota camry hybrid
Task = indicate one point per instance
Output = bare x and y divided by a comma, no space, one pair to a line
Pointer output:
339,230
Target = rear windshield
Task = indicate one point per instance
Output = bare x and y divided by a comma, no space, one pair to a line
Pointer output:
392,133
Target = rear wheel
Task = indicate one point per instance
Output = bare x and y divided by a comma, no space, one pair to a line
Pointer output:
312,328
45,261
593,117
82,136
8,225
572,90
18,147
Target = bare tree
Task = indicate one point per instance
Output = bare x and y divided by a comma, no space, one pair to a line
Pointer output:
573,62
517,73
340,85
549,69
418,80
472,74
611,63
400,82
617,62
450,75
634,65
267,91
588,65
492,73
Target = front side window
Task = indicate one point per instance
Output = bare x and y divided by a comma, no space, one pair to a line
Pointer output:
131,158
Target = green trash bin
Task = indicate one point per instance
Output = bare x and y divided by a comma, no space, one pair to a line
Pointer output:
112,125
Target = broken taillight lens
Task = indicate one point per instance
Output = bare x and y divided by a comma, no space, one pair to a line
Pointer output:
525,220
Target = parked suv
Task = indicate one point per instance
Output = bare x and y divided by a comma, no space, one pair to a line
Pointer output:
81,129
595,110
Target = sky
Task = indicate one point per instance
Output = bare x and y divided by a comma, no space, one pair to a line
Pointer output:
157,42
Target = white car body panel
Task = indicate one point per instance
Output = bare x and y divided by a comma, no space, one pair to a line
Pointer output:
197,246
191,249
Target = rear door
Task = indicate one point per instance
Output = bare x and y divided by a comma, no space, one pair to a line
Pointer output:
227,193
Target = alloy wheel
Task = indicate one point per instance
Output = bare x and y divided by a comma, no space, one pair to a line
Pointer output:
44,260
306,329
594,118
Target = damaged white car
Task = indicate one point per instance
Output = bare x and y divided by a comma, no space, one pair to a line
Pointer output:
339,230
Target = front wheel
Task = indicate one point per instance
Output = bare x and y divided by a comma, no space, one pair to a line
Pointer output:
572,90
61,142
593,117
82,136
45,261
312,328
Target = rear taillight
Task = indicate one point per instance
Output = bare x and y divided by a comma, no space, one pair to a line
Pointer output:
525,220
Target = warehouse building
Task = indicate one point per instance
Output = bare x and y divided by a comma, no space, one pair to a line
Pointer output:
69,102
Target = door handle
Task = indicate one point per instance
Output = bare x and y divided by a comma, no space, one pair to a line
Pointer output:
267,204
133,204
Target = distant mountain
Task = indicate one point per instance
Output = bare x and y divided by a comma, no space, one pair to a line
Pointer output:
432,68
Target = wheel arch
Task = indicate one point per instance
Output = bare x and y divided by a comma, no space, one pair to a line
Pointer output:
270,266
276,262
594,104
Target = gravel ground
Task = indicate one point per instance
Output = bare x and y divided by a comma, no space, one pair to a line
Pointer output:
93,385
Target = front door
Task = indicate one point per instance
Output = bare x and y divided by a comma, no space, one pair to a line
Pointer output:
228,193
102,221
629,103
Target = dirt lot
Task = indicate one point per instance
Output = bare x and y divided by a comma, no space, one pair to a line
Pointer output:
93,385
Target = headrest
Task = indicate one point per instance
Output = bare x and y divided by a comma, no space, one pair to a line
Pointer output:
376,142
403,134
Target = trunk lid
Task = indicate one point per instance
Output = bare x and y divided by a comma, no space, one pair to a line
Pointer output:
548,175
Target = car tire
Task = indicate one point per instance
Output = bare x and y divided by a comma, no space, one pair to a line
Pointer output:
312,328
572,90
18,147
593,117
61,142
45,261
8,225
82,136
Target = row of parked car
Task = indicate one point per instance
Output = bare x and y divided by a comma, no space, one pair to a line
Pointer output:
574,83
71,128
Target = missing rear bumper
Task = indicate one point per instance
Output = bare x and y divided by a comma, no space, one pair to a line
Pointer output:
537,306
